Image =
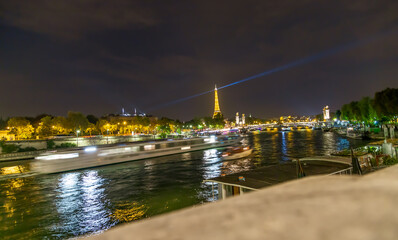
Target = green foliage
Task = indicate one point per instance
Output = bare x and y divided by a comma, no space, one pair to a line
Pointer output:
319,117
163,135
366,110
12,148
8,148
66,145
27,149
384,107
373,150
375,130
36,120
338,115
50,144
60,125
386,102
390,160
21,127
92,119
164,129
45,128
91,128
77,121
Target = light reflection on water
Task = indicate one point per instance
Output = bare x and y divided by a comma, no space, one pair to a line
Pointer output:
87,201
81,203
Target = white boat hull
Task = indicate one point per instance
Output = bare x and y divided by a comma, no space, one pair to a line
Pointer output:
72,160
238,155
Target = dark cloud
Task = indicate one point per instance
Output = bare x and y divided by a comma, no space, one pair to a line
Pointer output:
75,18
113,54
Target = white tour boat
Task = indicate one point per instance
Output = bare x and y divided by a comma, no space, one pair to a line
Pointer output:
95,156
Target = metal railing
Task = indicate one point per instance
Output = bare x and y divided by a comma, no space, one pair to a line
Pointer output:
347,171
9,156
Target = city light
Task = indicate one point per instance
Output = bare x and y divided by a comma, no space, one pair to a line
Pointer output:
149,147
58,156
90,149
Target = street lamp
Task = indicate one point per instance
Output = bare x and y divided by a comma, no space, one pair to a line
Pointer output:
77,137
107,135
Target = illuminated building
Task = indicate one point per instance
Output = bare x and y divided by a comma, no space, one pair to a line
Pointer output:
217,110
326,114
6,135
243,118
139,114
237,118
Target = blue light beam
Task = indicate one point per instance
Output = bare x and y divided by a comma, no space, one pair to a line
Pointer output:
312,58
179,100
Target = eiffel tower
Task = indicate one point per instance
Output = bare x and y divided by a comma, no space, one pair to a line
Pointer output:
217,111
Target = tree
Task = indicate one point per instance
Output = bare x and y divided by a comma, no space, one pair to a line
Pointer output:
60,125
92,119
90,128
3,123
103,126
367,112
21,127
194,123
35,121
164,130
386,103
319,117
219,121
383,107
355,110
77,121
45,128
338,114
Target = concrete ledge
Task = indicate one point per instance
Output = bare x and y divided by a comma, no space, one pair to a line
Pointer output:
322,207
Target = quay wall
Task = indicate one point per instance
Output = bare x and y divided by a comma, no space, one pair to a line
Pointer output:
82,141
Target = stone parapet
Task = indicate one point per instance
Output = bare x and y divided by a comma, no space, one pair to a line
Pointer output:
321,207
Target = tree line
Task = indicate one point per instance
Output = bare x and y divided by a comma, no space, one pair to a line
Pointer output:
383,108
44,125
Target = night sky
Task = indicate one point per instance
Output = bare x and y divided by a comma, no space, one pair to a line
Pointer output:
96,57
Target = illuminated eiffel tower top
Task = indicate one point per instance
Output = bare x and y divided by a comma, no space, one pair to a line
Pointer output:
217,110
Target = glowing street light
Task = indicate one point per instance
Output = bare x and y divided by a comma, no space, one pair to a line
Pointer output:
77,137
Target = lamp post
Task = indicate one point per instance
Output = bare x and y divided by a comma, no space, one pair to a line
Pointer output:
107,135
77,137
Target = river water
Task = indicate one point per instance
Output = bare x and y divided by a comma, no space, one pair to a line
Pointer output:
83,202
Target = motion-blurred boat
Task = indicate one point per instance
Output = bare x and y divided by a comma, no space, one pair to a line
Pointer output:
95,156
236,152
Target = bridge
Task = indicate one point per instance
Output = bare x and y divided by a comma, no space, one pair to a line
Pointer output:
289,124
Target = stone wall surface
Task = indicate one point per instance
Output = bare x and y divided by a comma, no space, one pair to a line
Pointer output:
322,207
82,141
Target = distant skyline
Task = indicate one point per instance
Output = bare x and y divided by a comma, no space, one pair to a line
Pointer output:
97,57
